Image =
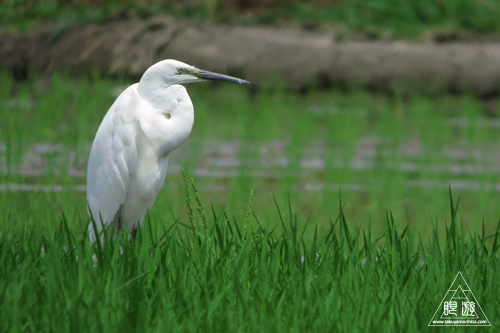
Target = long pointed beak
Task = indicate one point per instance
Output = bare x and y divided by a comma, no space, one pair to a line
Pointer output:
206,75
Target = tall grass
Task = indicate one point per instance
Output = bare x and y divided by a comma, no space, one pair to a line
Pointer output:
265,253
231,274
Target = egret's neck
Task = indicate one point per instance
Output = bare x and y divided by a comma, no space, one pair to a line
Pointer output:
152,88
168,118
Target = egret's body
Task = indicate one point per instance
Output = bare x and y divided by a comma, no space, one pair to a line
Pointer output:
129,156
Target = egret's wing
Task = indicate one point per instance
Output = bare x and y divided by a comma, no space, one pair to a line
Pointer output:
113,159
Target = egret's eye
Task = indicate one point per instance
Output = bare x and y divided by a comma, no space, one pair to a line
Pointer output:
180,70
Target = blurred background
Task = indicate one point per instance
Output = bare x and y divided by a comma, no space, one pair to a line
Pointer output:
379,106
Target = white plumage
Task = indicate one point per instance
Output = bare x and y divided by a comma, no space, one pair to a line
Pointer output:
129,156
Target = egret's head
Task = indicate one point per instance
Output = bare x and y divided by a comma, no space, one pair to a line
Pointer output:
168,72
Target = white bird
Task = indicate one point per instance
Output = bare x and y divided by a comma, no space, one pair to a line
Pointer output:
129,156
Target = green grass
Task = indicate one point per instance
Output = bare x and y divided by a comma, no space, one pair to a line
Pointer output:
379,18
263,242
241,275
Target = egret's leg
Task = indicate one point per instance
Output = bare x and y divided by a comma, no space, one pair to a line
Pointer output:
118,224
134,234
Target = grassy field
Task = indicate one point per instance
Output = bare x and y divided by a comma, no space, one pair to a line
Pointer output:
318,211
375,19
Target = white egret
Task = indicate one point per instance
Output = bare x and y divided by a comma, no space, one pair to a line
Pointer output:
129,156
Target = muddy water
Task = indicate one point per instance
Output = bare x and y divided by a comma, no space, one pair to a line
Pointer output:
460,165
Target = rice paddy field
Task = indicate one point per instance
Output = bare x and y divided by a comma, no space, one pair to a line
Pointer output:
329,210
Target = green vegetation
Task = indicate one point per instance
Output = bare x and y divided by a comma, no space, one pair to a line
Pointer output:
241,275
384,153
391,18
315,212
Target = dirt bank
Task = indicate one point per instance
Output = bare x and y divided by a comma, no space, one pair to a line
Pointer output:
294,56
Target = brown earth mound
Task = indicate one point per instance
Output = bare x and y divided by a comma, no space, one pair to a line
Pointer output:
295,57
